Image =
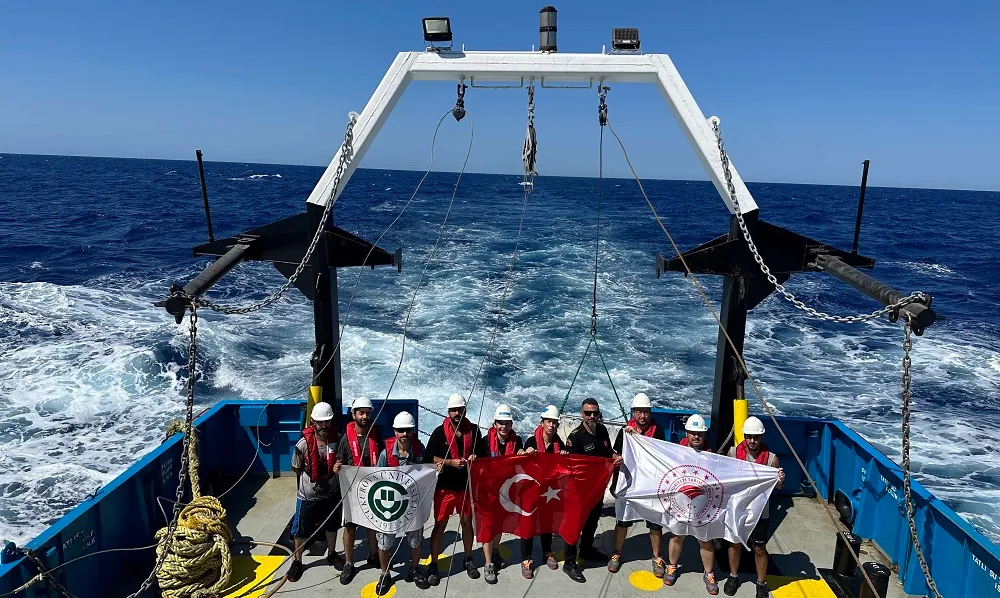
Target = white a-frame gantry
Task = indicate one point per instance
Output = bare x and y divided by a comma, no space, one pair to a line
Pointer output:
542,68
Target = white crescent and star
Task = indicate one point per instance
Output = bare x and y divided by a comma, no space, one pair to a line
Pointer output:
508,505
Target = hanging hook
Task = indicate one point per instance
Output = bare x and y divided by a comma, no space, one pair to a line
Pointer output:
602,106
459,110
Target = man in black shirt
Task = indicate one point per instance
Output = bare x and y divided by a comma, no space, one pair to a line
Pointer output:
360,446
589,438
455,443
641,423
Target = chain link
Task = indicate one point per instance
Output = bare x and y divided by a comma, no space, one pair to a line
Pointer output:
907,477
346,155
915,297
185,443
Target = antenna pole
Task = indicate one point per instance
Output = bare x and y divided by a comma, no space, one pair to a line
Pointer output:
861,207
208,213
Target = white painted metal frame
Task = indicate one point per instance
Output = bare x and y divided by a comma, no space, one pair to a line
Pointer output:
551,68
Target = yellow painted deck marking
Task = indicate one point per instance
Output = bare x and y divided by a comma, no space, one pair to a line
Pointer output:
645,581
250,570
444,561
369,591
794,587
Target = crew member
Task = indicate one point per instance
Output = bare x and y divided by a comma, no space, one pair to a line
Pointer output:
754,450
359,446
453,443
318,496
589,438
545,440
501,441
696,439
401,450
641,423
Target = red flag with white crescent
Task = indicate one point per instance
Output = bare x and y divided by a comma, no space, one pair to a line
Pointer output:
535,494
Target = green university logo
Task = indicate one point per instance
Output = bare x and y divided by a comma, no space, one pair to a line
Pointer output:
388,499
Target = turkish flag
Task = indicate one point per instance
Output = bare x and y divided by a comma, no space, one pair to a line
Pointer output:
534,494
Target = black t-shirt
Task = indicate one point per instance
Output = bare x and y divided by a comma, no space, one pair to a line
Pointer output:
530,443
452,478
483,448
582,442
620,441
347,458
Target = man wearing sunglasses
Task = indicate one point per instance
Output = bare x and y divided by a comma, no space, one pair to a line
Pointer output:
754,450
589,438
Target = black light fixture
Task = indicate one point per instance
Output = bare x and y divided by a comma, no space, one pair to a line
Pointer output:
437,29
625,39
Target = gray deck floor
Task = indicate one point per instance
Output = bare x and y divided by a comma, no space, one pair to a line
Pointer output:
802,543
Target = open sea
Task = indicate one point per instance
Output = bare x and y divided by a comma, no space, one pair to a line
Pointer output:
91,372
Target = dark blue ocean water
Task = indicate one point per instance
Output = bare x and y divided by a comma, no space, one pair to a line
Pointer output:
90,371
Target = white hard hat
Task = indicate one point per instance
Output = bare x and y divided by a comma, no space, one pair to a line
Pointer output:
361,403
551,412
456,401
695,423
403,420
641,401
753,426
502,413
322,412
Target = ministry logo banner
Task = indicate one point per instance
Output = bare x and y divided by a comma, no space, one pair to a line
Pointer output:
692,493
391,500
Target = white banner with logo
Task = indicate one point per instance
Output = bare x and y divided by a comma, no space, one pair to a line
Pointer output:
391,500
691,493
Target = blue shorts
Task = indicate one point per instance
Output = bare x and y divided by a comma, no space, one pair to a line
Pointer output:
311,515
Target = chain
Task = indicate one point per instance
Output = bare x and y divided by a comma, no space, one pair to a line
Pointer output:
346,155
907,478
44,573
529,154
915,297
183,474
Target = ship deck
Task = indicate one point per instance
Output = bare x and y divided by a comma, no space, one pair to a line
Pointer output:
801,547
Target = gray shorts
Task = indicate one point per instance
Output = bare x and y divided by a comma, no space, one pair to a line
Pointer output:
386,541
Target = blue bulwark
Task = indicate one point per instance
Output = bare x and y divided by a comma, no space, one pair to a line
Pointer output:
237,434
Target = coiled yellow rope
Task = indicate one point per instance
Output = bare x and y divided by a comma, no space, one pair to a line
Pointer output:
199,562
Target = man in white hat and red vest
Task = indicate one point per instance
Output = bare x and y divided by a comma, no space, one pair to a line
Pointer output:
360,446
318,496
641,423
544,440
501,441
695,439
754,450
404,448
454,444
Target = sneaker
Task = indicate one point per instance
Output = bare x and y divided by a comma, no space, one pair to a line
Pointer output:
470,568
347,574
491,573
762,590
551,562
573,571
433,577
295,571
732,584
336,560
526,569
593,554
710,584
384,583
373,561
498,561
417,578
670,575
659,567
615,563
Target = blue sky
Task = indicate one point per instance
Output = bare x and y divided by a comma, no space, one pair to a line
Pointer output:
805,90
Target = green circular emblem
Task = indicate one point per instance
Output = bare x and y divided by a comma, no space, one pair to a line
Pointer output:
388,500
